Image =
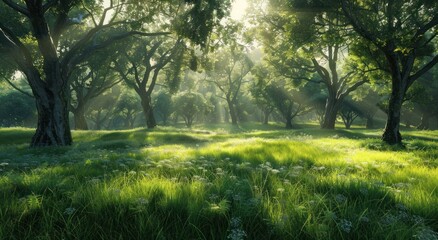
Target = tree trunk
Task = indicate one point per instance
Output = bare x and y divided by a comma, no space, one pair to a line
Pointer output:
127,122
189,122
425,119
226,116
370,122
53,128
151,122
289,123
148,111
330,113
391,134
266,114
98,122
233,113
79,118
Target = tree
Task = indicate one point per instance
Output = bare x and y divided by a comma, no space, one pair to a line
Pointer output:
164,106
49,68
102,109
368,106
128,107
258,91
301,39
349,112
88,82
228,71
190,105
403,31
286,103
140,67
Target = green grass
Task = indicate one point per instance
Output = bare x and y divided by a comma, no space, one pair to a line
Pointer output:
220,182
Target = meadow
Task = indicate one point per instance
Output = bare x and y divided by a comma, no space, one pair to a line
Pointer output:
216,182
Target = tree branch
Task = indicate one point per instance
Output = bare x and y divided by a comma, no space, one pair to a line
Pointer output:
423,70
17,88
21,9
73,60
49,4
356,25
425,28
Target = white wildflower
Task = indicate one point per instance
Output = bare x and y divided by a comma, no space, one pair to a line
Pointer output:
345,225
69,211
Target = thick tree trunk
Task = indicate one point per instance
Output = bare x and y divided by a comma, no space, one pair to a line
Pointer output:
148,111
391,134
151,122
330,113
425,120
53,127
79,118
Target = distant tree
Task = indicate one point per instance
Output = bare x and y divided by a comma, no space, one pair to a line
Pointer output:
102,110
190,105
128,107
140,67
246,109
258,91
287,103
368,106
88,82
349,112
228,71
164,106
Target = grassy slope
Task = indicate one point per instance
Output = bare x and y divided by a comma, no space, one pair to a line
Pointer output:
252,182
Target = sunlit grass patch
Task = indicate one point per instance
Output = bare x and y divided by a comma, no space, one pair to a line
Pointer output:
257,151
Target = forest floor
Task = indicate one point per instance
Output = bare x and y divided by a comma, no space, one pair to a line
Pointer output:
219,182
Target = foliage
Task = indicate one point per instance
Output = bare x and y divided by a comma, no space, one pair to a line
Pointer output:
164,106
189,105
128,107
16,109
349,112
287,103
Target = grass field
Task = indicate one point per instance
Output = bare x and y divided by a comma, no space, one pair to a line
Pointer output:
252,182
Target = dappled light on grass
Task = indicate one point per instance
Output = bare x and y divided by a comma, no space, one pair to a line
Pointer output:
299,184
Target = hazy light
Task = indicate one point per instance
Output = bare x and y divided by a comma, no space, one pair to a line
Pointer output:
238,9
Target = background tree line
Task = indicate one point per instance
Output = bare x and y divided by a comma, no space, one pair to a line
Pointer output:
138,64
